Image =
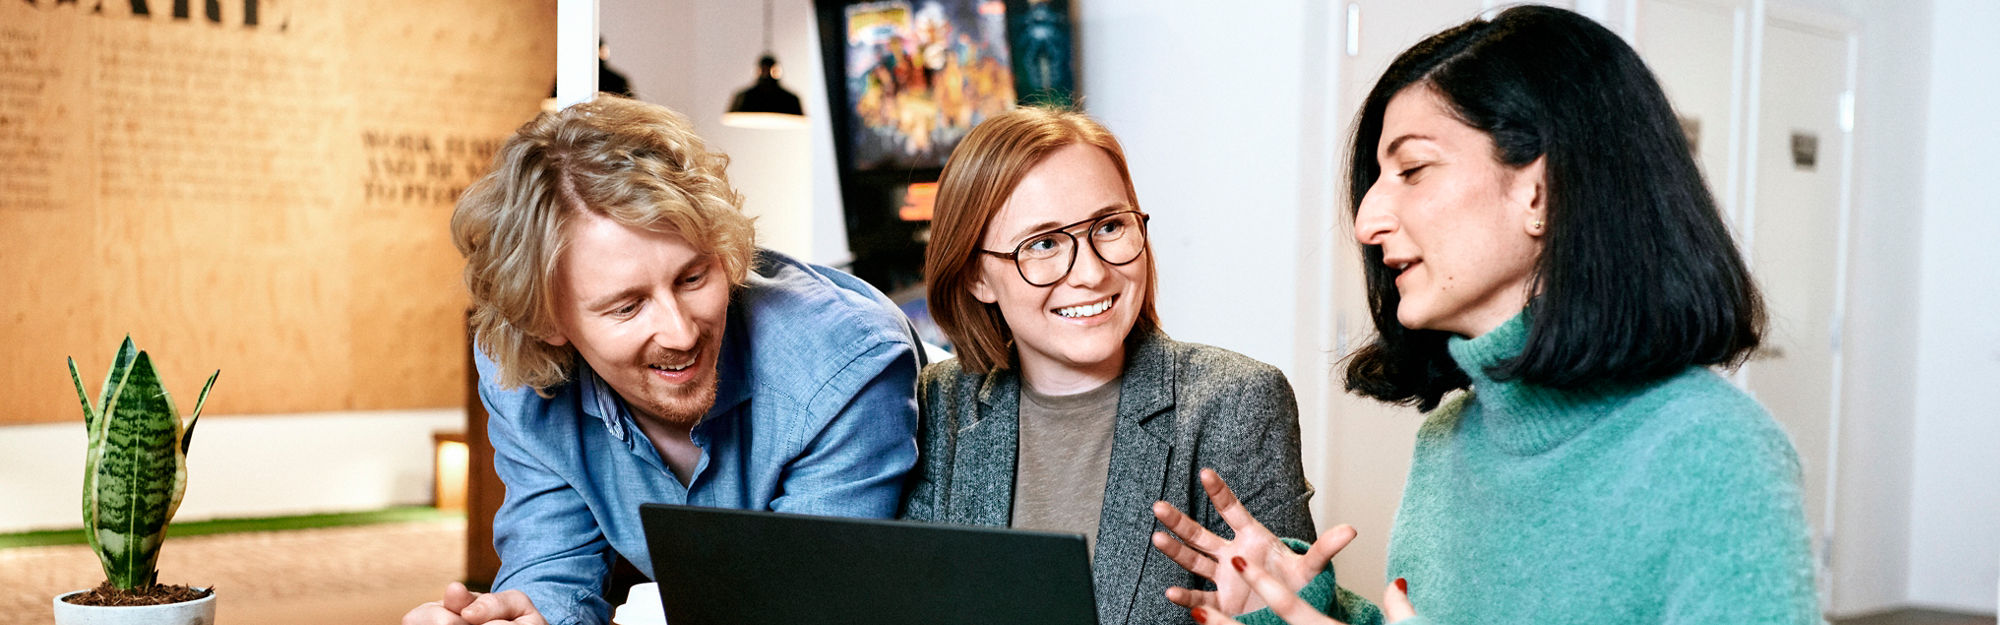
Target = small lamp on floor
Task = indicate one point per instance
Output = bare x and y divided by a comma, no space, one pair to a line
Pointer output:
450,459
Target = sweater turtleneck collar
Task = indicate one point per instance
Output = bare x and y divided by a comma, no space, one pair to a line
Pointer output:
1524,419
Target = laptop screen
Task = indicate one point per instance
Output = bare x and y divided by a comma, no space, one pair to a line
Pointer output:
719,566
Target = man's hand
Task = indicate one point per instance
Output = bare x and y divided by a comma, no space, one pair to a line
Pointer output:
445,612
464,607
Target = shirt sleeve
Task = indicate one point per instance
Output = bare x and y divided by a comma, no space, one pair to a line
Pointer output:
549,543
854,465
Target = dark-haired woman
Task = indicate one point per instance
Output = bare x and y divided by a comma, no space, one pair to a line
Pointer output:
1536,232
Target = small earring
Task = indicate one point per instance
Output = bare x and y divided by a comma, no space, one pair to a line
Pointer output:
1535,226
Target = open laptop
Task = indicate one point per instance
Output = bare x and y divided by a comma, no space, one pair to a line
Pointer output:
722,567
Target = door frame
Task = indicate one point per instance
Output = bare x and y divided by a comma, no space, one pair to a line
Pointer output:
1764,15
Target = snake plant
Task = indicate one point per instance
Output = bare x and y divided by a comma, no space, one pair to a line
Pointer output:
136,469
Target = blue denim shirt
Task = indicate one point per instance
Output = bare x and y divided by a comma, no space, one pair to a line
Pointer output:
815,413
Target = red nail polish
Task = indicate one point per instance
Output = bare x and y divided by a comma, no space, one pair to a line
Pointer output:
1199,615
1237,561
1403,586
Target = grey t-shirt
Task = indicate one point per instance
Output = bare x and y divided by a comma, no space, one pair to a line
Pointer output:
1064,456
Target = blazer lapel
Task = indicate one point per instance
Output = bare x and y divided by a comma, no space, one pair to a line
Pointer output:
1141,445
988,447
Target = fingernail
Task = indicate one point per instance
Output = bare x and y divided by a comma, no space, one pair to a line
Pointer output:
1199,615
1237,561
1403,586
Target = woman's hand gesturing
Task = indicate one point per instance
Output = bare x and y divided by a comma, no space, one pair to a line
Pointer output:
1205,554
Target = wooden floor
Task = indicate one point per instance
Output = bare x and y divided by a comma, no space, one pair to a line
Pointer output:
342,575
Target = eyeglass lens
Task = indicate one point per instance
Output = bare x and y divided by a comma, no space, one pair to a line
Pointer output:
1046,258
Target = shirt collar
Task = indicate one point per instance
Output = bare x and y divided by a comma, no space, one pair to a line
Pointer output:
600,401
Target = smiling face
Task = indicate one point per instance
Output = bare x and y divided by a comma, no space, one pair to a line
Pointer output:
1460,230
1070,335
646,310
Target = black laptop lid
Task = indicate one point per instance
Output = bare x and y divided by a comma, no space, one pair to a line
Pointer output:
722,567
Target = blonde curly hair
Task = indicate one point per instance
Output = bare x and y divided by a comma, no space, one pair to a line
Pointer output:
638,164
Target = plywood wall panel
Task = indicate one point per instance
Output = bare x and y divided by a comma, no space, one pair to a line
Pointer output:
269,198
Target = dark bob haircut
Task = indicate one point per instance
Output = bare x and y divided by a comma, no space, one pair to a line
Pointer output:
1638,277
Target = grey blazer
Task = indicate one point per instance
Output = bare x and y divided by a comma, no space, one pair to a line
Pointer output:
1181,407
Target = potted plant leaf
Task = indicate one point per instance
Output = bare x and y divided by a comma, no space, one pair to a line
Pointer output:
134,475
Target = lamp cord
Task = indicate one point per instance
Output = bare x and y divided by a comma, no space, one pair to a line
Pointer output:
767,26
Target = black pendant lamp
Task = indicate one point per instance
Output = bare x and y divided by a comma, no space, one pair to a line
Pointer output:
765,104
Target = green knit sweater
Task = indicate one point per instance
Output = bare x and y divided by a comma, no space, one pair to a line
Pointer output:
1677,501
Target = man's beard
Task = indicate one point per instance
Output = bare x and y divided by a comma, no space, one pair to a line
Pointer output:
684,410
688,403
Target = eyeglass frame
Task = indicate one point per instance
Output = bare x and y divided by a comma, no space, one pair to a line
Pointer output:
1015,255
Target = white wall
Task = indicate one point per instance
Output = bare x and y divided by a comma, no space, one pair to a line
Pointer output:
1918,498
647,42
1226,115
693,56
241,466
1213,140
1217,141
1955,506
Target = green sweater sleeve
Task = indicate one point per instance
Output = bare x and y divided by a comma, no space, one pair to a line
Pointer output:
1323,594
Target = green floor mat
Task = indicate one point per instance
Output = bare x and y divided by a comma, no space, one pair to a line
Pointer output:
400,514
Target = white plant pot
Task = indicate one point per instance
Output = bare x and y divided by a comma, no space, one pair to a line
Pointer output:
198,612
